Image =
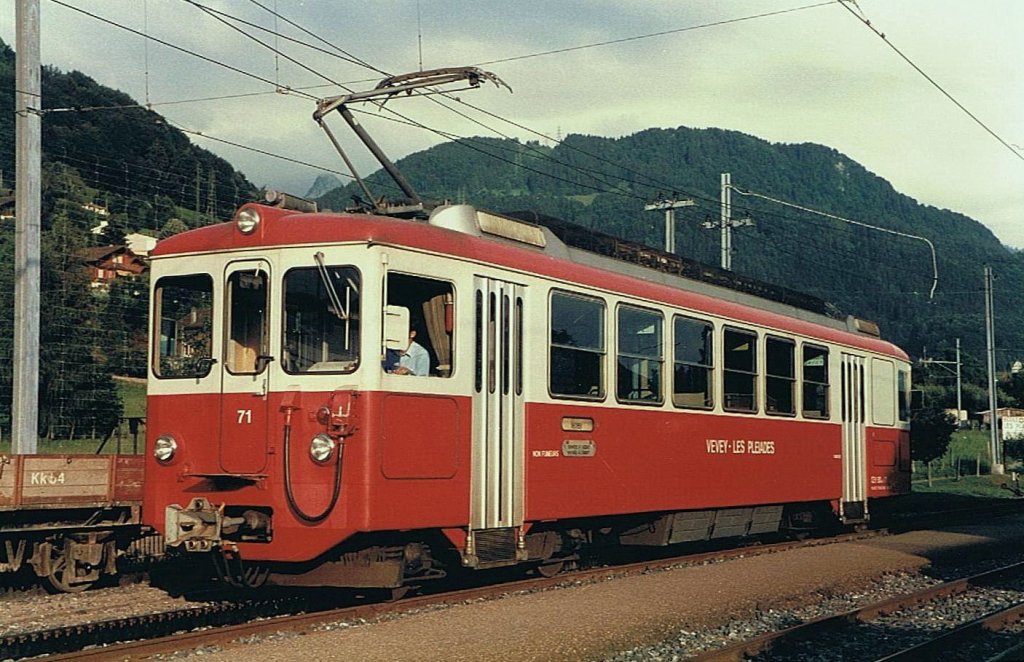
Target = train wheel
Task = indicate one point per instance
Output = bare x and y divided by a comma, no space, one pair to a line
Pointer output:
62,577
551,568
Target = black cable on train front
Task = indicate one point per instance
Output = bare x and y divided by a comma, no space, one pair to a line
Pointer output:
292,503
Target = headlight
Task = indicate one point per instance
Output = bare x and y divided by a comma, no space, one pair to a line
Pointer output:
164,448
321,448
247,221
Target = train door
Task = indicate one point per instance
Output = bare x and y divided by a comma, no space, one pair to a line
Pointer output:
854,504
496,511
244,368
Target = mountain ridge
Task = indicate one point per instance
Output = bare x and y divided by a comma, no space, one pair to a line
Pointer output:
603,183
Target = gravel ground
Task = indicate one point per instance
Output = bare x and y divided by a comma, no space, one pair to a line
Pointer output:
40,611
666,615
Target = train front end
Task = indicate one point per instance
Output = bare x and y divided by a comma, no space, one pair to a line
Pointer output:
266,402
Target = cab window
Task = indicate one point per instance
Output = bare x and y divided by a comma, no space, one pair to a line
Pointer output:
183,315
246,350
429,305
321,320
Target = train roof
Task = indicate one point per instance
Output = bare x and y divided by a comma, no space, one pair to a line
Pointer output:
604,262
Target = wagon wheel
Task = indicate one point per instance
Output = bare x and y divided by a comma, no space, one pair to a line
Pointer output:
62,573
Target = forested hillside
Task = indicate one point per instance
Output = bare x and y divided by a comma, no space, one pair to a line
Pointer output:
105,160
604,183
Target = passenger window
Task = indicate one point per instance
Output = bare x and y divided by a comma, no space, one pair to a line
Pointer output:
740,375
431,307
321,320
815,382
183,313
247,342
693,375
577,346
640,355
780,376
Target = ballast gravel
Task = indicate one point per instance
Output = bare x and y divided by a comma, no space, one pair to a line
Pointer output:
665,615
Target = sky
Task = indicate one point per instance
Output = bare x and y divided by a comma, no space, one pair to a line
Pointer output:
788,71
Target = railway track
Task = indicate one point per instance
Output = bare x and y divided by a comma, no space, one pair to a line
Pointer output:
963,619
223,621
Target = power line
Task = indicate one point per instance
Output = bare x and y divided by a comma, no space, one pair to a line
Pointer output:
860,17
931,246
651,35
178,48
217,15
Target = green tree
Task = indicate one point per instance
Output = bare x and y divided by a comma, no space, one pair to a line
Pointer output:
125,314
77,394
931,429
172,227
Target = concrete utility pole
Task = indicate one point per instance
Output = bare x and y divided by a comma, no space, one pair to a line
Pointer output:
670,207
995,447
726,222
28,201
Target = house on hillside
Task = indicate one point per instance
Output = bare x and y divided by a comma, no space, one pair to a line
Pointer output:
6,207
107,263
99,210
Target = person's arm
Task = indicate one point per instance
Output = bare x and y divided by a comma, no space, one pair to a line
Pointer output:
420,365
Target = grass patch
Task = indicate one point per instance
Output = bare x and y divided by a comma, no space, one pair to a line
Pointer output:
987,486
133,396
132,393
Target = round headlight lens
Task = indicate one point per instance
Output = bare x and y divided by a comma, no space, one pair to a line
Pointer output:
164,448
247,221
321,448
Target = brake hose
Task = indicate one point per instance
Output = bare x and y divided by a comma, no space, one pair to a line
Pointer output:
292,503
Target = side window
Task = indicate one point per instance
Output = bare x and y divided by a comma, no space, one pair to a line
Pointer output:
693,375
815,382
321,320
883,389
247,343
577,346
780,376
183,317
431,310
640,351
903,394
740,375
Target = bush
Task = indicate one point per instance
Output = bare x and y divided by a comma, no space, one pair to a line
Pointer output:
930,432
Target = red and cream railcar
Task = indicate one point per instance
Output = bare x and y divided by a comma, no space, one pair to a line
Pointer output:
571,399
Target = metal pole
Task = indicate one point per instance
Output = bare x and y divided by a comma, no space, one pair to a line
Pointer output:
959,389
28,201
997,465
670,230
726,256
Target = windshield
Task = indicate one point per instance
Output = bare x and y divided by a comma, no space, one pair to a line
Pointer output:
322,315
182,315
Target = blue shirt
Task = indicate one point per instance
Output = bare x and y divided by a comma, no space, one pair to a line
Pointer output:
416,359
